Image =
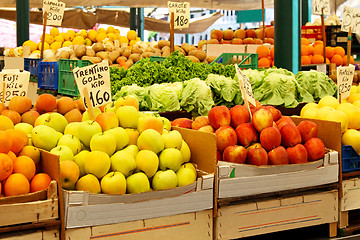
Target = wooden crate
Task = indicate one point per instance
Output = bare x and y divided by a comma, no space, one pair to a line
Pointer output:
51,234
260,216
349,201
196,225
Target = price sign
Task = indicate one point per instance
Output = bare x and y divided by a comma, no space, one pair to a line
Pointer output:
245,86
321,68
181,14
344,80
318,5
16,84
55,12
96,79
351,18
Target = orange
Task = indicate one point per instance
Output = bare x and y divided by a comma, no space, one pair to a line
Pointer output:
45,103
310,50
319,50
337,59
131,35
318,59
311,57
305,60
40,181
6,166
328,61
19,139
340,51
14,116
273,63
272,53
318,42
304,50
345,60
305,41
26,166
262,52
5,144
12,155
2,107
16,184
329,52
263,63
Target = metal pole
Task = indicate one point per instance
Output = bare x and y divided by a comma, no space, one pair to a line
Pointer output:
22,21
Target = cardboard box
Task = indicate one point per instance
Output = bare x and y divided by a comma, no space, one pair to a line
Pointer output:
83,209
14,63
239,180
48,234
218,49
255,217
349,200
251,48
196,225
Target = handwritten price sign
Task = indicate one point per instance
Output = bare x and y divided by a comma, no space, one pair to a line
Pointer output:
181,14
318,5
351,18
55,12
16,84
344,80
96,78
245,86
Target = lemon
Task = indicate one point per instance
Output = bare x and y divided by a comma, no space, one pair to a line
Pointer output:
354,97
92,35
110,29
354,89
67,44
356,103
101,36
112,36
336,116
55,46
31,44
117,31
59,39
46,45
351,137
101,30
328,101
352,112
82,33
133,42
117,35
54,32
311,112
37,51
124,39
306,107
131,35
78,40
69,35
62,35
87,42
48,38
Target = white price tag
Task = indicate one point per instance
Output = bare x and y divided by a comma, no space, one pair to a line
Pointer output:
181,14
318,5
351,18
55,12
344,80
96,78
321,68
16,84
245,86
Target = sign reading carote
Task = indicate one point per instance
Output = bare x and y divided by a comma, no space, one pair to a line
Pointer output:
351,18
16,84
344,80
96,79
318,5
55,12
245,86
181,14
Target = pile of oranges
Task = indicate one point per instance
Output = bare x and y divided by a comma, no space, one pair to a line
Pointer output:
265,57
314,53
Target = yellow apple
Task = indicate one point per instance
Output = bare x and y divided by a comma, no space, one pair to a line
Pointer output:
69,174
113,183
88,183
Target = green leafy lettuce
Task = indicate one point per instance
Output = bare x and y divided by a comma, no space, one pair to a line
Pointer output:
165,97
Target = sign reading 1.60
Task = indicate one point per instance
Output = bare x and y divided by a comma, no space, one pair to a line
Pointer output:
181,12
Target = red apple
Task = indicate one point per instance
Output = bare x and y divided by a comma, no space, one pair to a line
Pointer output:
212,41
257,156
199,122
182,122
297,154
219,116
225,136
228,34
239,114
285,119
246,134
235,154
258,41
216,34
249,41
269,40
307,130
270,138
290,135
278,156
315,149
275,112
236,41
259,33
218,155
254,145
269,32
250,33
240,33
201,43
262,118
207,128
254,108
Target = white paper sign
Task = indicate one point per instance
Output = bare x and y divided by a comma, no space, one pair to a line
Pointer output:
344,80
318,5
321,68
55,12
351,18
96,78
16,84
181,14
245,86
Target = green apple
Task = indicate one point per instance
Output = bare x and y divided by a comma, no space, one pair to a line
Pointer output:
166,122
147,161
64,153
164,180
70,141
172,139
110,107
185,152
88,183
170,158
103,142
86,117
137,183
132,149
150,139
97,163
120,135
186,174
44,137
25,127
72,128
113,183
128,116
87,130
54,120
80,160
123,162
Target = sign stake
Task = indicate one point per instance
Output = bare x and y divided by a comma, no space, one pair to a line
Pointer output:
323,33
172,32
43,35
4,90
263,17
90,108
349,46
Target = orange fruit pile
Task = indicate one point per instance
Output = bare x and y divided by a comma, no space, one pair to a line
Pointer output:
265,57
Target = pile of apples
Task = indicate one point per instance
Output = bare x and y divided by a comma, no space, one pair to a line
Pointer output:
270,139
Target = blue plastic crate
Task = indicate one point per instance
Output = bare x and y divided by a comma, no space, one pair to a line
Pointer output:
31,64
350,159
48,75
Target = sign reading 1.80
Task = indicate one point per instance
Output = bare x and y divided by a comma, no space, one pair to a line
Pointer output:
96,78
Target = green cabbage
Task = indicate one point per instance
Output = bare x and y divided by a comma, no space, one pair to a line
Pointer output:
256,77
165,97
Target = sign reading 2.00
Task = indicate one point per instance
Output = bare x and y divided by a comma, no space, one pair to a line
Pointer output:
96,78
181,14
55,12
